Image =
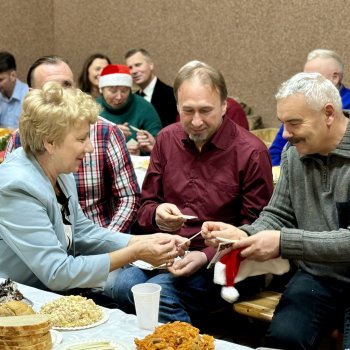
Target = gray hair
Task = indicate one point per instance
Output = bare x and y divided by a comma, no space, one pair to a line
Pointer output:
323,53
205,73
317,90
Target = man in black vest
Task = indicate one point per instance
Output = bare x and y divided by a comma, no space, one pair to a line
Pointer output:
151,87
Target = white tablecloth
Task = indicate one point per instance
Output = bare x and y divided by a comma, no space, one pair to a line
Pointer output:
120,327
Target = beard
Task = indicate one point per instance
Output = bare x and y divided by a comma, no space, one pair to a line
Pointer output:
198,138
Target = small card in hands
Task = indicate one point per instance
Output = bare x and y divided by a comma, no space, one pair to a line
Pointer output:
188,217
132,143
223,248
134,128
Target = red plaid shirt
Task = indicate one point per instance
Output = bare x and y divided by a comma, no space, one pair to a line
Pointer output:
106,182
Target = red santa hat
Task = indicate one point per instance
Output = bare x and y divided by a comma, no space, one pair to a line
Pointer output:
115,75
232,268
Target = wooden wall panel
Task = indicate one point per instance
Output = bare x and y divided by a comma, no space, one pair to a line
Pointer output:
256,44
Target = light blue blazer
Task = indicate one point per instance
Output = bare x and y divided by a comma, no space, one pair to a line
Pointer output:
33,248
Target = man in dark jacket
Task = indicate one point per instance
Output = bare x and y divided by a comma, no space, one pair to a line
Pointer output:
151,87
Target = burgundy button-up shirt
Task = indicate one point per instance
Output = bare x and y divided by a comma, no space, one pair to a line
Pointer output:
229,180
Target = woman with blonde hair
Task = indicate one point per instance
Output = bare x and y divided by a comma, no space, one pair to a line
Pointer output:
45,239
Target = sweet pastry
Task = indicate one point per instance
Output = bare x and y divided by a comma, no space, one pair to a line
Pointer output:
15,308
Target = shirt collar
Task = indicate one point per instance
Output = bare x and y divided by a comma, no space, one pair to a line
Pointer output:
222,138
148,91
17,93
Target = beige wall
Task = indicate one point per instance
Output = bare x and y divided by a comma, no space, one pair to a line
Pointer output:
26,30
257,44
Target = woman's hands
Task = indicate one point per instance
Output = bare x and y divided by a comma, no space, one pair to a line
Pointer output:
158,248
146,141
124,128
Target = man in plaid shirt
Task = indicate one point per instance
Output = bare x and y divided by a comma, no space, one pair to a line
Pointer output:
106,182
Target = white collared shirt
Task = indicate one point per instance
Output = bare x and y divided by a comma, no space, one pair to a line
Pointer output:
148,91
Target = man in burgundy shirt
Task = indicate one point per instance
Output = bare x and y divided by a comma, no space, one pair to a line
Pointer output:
206,166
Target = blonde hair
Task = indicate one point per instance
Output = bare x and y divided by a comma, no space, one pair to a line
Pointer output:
50,112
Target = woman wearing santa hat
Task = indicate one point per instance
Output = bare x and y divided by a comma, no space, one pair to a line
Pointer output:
136,117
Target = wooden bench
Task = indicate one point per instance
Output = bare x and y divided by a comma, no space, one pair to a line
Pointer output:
262,307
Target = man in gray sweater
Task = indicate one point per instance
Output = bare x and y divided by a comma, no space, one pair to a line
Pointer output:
308,217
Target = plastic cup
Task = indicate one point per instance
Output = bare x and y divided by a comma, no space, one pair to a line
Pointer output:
146,298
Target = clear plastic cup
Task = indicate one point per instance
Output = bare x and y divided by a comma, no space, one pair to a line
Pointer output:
146,298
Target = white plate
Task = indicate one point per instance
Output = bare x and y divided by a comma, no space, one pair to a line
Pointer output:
143,265
56,337
91,342
105,317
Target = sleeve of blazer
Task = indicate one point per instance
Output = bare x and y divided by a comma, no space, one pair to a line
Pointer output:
36,241
164,102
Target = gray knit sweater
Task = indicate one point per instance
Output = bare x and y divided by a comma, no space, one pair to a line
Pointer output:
311,208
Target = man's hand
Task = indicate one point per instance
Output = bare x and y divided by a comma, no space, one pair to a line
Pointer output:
211,230
262,246
146,141
190,264
167,217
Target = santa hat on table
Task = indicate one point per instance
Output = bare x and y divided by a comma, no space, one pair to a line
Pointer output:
232,268
115,75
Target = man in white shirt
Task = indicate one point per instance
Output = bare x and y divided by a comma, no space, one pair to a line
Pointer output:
151,87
